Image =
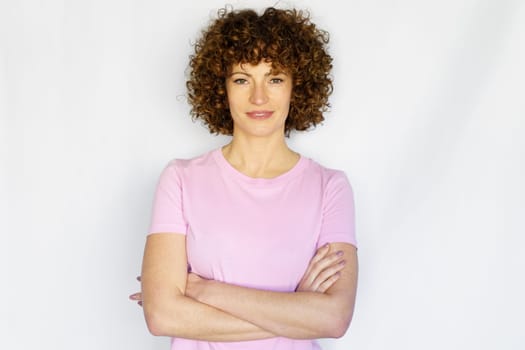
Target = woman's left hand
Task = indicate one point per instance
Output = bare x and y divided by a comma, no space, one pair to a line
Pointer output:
194,285
137,296
322,273
194,288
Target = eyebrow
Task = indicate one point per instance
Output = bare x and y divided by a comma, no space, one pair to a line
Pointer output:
266,74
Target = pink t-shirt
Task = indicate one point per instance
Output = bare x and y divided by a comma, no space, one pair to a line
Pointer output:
253,232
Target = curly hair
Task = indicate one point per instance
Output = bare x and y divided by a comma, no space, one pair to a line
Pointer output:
286,38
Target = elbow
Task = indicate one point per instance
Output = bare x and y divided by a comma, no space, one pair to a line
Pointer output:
155,329
163,316
338,325
338,329
154,322
159,322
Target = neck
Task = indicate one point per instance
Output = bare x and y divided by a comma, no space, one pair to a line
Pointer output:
265,158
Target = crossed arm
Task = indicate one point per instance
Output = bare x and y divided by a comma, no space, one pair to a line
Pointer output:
184,305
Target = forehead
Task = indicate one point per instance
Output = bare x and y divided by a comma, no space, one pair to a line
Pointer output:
263,67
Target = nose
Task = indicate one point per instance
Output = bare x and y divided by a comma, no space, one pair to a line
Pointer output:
258,94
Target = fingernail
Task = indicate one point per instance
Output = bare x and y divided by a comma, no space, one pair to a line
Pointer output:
340,253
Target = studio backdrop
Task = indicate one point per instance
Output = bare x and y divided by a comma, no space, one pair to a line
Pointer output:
426,119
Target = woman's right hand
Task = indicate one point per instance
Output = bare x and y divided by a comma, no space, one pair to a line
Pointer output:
323,271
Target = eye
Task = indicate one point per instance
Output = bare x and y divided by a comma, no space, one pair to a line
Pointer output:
240,81
276,80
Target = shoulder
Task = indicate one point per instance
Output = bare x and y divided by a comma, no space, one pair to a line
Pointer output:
328,176
181,165
180,169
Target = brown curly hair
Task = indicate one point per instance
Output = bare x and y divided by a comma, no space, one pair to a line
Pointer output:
286,38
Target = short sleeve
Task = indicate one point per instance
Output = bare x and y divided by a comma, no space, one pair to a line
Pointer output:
338,221
167,213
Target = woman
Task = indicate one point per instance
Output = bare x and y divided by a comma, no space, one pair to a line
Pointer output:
252,245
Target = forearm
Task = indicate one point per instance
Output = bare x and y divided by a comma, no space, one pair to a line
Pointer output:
184,317
301,315
169,312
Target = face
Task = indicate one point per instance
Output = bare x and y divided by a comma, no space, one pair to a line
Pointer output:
259,99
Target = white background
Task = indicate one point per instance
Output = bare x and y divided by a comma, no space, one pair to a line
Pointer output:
427,120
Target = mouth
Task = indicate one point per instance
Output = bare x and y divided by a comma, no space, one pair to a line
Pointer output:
259,115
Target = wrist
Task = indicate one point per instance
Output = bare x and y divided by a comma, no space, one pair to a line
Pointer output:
206,290
199,288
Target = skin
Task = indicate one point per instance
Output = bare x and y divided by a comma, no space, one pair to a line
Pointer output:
257,88
321,274
258,147
181,304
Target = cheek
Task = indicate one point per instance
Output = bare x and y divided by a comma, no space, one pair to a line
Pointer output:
231,97
285,100
230,101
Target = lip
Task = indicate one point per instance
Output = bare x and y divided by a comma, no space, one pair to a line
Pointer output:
259,115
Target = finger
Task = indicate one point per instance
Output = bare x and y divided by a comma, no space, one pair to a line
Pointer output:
328,260
328,272
329,268
323,264
136,296
323,287
319,255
